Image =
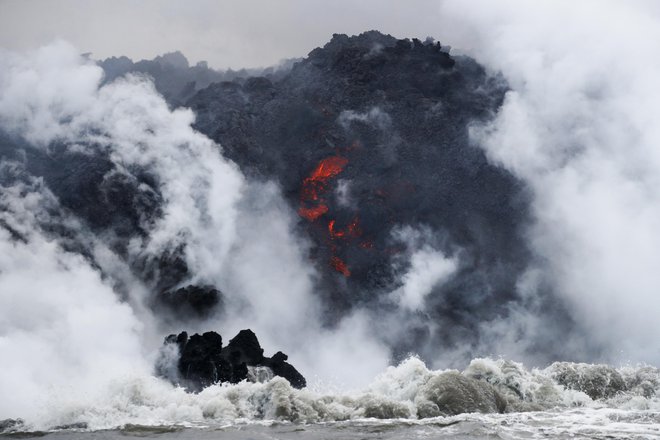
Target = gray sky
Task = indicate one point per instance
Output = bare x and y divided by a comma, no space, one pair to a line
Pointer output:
246,33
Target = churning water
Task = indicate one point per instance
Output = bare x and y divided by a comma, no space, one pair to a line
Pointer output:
489,399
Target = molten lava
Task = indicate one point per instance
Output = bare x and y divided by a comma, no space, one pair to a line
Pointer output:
313,206
316,184
313,213
339,265
333,233
352,230
327,168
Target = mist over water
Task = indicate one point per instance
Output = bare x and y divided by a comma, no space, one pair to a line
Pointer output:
78,334
578,127
67,322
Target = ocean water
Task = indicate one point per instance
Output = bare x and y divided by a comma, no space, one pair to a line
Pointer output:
489,399
566,424
571,424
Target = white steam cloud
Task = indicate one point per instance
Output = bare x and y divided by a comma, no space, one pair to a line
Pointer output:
579,126
62,325
429,268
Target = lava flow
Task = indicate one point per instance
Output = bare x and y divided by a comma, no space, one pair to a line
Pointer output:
339,265
313,213
352,230
313,206
316,184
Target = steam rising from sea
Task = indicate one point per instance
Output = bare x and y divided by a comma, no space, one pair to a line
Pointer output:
578,127
67,325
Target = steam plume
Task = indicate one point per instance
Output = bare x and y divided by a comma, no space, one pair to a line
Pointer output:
578,127
86,309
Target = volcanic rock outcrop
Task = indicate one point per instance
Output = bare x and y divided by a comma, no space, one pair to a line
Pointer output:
197,301
201,360
369,135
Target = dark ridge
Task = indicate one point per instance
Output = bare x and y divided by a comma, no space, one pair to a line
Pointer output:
175,78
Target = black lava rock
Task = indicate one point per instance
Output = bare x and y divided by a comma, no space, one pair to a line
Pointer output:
196,301
203,361
284,369
244,347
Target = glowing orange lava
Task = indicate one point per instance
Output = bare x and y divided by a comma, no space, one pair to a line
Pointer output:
339,265
329,167
333,233
352,230
316,184
313,213
313,206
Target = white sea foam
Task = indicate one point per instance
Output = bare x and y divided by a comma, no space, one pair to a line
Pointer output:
405,392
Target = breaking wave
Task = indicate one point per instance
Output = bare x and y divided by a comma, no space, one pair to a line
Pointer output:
410,391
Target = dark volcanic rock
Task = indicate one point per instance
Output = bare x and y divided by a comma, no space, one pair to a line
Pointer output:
174,78
397,113
198,301
244,347
284,369
202,361
108,199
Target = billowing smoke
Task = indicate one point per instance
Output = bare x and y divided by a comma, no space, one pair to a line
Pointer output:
60,319
428,268
579,128
77,292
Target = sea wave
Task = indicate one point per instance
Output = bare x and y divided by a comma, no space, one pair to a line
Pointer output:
410,391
